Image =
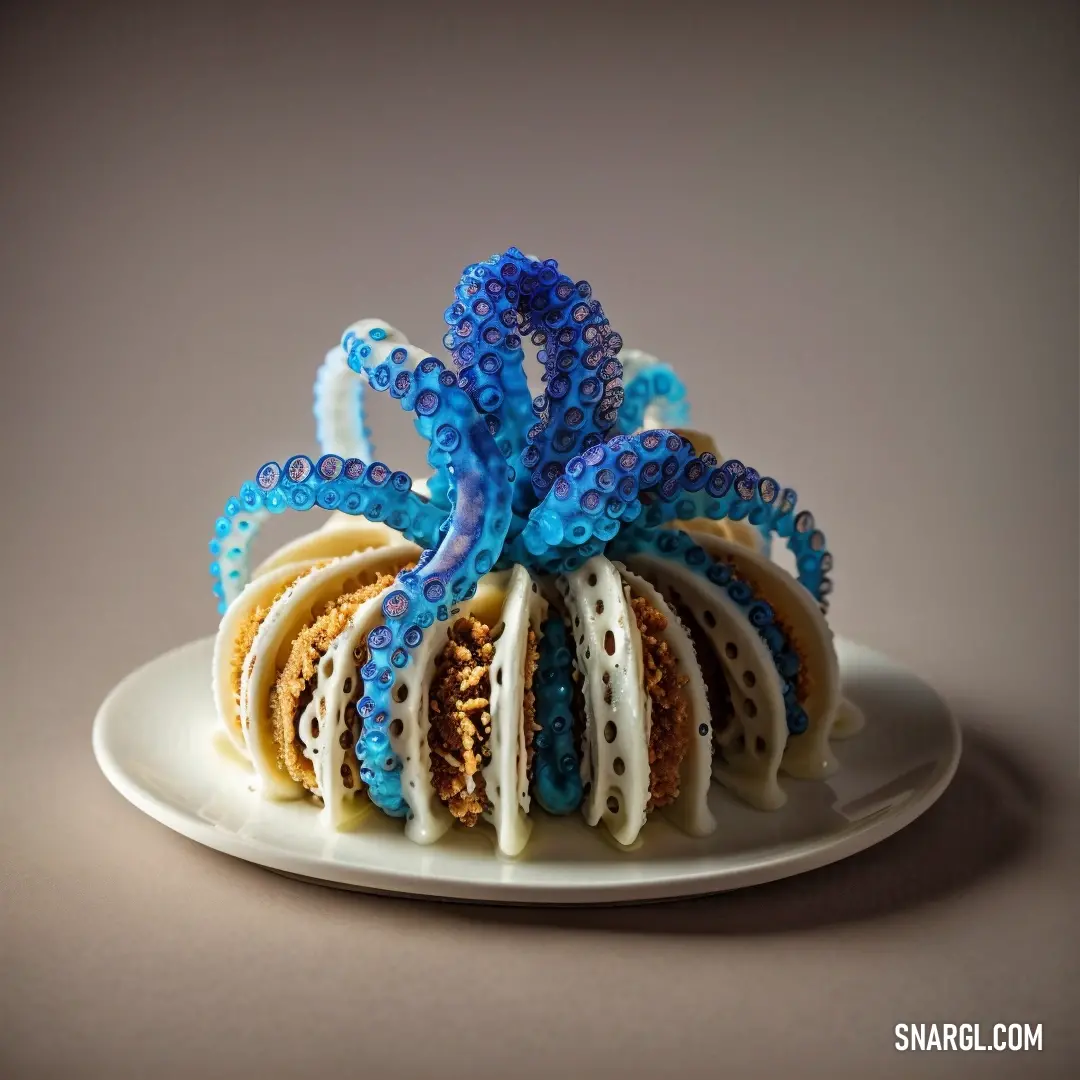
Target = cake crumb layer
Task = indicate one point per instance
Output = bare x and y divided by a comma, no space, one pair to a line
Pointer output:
460,719
669,736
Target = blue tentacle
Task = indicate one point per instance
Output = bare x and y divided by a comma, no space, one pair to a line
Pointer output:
524,296
734,491
557,782
655,477
463,446
333,483
654,394
482,335
599,491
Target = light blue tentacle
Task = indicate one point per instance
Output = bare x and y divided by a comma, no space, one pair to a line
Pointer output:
655,396
333,483
736,492
557,784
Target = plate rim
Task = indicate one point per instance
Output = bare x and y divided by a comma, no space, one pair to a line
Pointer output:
788,859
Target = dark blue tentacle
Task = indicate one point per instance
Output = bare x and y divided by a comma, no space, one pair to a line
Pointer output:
599,492
522,296
655,477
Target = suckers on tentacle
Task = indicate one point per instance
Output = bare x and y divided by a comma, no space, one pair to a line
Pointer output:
462,444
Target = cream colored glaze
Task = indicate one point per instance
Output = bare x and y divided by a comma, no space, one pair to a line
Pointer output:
850,720
690,811
337,686
615,729
807,755
256,594
342,428
505,778
269,652
759,714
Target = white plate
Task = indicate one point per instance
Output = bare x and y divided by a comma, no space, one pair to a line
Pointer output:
155,738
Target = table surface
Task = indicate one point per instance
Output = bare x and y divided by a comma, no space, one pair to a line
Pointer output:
854,231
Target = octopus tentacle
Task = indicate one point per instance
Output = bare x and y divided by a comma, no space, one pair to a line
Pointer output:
234,532
599,491
384,355
482,335
599,495
463,447
340,424
655,396
557,781
524,296
734,491
333,483
678,546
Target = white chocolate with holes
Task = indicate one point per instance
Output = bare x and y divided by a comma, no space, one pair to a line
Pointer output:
748,749
295,609
617,709
506,781
324,730
428,818
259,593
806,755
690,810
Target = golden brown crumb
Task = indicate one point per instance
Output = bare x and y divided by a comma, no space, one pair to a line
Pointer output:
245,637
295,685
458,704
669,737
532,659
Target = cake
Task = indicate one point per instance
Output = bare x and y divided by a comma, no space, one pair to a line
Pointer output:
577,613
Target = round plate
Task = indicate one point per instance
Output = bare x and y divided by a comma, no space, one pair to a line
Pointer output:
156,739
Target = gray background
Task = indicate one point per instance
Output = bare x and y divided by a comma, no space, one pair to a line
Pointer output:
852,228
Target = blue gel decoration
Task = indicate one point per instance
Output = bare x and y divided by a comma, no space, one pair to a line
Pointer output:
556,769
546,482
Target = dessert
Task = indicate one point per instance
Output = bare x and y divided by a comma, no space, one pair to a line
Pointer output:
576,613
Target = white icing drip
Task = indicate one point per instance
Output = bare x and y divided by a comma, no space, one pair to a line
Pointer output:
753,743
337,686
505,780
807,755
608,643
429,818
269,652
690,811
850,720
